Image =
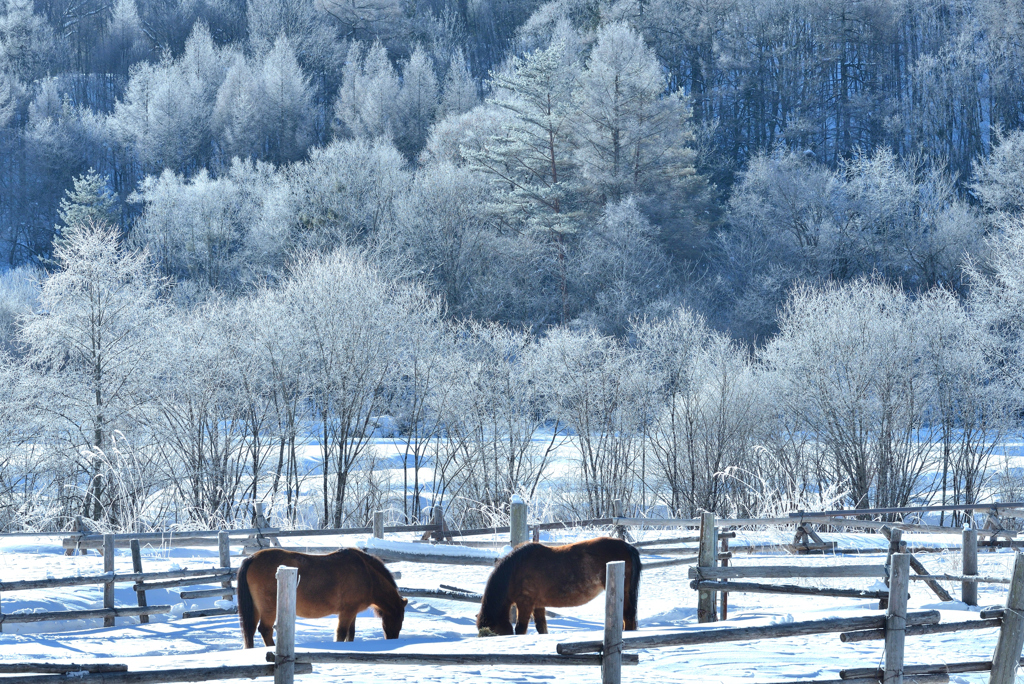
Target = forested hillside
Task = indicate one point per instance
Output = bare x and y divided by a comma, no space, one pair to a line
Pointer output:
736,253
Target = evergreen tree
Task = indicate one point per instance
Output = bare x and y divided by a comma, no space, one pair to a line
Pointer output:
91,202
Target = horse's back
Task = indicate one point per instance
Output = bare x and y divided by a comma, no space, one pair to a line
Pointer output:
328,583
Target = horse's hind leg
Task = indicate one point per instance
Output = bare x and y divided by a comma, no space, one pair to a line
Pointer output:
523,620
266,630
628,609
540,620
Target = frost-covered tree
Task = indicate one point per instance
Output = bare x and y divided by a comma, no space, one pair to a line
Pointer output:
704,412
345,192
847,365
199,421
91,202
633,131
166,115
125,42
216,232
439,230
366,101
459,91
618,269
417,102
999,178
93,345
264,109
595,387
28,48
349,323
531,162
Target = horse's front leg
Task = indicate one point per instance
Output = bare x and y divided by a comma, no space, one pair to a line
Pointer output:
540,620
523,619
346,629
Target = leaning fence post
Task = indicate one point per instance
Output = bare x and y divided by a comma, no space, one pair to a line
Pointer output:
284,649
611,651
378,524
706,553
518,531
896,618
1011,633
969,590
224,551
137,567
108,586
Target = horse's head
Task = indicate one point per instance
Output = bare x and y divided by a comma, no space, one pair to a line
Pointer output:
492,627
391,620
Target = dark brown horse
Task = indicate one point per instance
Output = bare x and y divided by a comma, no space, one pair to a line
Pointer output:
535,576
343,583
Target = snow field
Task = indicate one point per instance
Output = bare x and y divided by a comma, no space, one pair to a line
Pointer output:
436,626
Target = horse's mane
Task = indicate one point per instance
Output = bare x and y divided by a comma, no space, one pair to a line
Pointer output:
492,604
377,564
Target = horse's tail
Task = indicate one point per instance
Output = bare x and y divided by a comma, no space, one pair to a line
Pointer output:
246,608
634,584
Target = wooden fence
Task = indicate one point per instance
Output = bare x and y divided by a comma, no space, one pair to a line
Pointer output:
141,582
893,629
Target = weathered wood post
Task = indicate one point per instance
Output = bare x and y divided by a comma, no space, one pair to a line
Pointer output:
108,566
284,649
437,518
706,559
1011,633
894,536
518,530
611,651
969,590
224,552
137,567
896,618
378,524
724,605
620,531
260,518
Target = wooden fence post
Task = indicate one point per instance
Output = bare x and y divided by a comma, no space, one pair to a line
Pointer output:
969,590
378,524
224,551
284,649
437,518
724,606
137,567
706,553
108,566
518,530
620,531
896,618
611,651
1011,633
895,536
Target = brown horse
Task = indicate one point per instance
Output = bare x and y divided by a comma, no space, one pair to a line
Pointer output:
343,583
535,576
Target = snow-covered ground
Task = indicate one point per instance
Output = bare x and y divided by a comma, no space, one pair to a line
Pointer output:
438,626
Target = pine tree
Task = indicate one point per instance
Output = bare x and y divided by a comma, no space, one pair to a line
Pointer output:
91,202
532,164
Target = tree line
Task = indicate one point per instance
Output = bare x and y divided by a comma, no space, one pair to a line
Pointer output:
723,250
